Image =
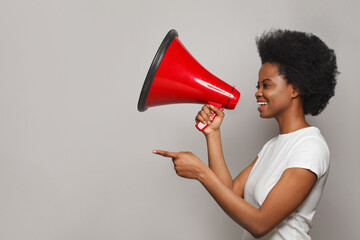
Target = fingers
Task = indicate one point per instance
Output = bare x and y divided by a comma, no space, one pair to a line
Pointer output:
205,115
217,111
166,153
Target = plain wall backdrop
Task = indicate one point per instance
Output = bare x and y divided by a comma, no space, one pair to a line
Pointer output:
75,154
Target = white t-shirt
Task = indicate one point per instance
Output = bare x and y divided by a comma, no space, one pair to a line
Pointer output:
304,148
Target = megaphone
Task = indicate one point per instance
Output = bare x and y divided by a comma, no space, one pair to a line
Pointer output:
176,77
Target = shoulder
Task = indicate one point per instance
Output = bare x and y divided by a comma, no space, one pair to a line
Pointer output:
311,139
310,151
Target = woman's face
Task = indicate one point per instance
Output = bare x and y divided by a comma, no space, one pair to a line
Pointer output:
274,95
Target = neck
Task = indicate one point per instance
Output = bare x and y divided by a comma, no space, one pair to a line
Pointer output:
292,120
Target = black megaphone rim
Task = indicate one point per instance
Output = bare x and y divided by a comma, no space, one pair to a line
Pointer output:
154,67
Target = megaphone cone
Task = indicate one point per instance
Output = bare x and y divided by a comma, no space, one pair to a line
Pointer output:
176,77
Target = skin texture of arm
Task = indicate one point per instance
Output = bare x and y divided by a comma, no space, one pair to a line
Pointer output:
240,180
286,196
291,190
216,159
215,153
213,140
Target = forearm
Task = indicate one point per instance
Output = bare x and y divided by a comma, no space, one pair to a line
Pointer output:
216,159
234,206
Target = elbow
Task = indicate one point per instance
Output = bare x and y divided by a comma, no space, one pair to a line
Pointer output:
258,235
259,231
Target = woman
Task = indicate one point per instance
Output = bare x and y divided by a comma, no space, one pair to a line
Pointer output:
276,196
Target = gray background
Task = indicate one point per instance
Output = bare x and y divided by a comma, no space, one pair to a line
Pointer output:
75,154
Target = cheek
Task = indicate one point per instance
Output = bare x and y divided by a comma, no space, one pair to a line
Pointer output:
278,99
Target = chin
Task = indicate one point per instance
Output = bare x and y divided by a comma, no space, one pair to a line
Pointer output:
264,115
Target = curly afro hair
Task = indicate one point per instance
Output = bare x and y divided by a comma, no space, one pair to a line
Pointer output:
305,61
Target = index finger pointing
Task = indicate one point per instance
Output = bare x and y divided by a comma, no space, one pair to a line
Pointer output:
165,153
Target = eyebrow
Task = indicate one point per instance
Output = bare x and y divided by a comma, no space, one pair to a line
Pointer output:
266,79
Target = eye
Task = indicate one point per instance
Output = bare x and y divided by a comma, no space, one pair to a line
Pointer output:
257,86
265,85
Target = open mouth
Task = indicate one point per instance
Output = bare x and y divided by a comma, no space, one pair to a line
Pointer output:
262,104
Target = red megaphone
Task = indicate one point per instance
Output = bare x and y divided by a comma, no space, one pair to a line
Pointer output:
176,77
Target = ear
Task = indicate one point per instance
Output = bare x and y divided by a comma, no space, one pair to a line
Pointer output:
295,92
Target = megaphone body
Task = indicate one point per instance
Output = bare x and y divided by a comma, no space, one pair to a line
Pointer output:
176,77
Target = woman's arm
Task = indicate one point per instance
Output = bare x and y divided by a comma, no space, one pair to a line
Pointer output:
216,159
240,180
286,196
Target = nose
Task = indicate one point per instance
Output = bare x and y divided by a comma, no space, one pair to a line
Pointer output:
258,93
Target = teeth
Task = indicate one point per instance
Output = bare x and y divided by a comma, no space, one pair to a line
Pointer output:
261,103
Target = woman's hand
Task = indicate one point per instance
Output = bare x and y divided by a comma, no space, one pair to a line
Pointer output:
205,117
186,164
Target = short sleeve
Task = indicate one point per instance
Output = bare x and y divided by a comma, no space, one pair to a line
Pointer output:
310,153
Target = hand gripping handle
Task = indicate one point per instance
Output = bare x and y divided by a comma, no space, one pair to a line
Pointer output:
201,126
